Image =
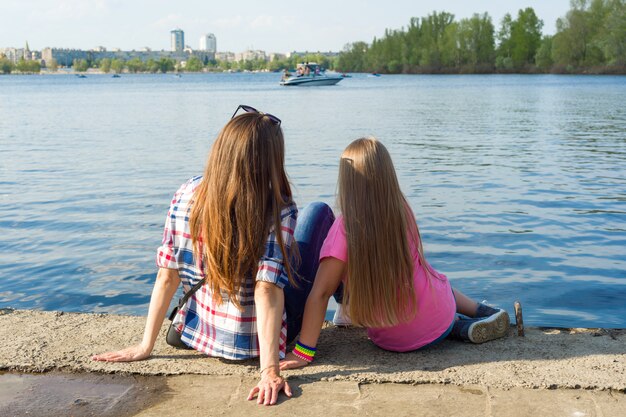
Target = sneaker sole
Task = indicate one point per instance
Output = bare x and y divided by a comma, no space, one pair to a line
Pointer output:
493,327
340,320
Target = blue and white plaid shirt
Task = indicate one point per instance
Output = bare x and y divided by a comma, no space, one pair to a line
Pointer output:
220,330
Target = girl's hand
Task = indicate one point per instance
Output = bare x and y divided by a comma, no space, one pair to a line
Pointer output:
130,354
291,361
269,386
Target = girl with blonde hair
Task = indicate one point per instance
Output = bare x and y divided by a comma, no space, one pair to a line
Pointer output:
374,248
231,234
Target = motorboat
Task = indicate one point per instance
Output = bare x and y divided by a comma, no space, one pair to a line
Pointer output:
309,74
117,76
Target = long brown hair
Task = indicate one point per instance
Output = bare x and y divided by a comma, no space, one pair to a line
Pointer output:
238,200
379,224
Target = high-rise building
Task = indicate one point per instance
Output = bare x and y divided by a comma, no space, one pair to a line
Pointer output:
208,43
178,40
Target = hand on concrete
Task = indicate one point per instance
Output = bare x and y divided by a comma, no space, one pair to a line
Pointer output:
130,354
268,388
291,361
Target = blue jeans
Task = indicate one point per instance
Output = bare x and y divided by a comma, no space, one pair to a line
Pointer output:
440,338
313,225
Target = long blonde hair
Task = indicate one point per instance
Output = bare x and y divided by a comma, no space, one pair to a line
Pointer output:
378,223
239,198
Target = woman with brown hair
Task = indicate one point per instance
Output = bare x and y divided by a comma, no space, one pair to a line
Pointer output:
375,249
235,227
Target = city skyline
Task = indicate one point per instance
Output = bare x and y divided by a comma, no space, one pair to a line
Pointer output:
271,26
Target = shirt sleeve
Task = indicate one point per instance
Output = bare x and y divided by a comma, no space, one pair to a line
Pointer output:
336,244
272,265
165,253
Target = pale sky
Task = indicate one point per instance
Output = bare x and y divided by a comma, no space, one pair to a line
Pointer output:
270,25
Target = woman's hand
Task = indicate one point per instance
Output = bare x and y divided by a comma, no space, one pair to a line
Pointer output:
167,282
130,354
291,361
269,386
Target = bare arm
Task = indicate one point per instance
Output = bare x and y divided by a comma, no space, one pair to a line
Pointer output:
270,301
327,279
165,287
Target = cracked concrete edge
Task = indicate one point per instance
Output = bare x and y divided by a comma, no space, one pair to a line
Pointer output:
35,341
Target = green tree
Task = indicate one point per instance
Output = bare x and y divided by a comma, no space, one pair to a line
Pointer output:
505,46
166,64
452,55
105,65
224,65
6,66
573,38
482,42
152,66
117,65
543,59
245,65
135,65
471,42
80,65
194,64
413,42
353,57
613,40
432,38
525,37
28,66
52,65
276,64
518,40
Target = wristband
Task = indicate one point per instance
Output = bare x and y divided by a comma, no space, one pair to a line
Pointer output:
304,352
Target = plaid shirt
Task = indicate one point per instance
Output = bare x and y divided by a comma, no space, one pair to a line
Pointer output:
220,330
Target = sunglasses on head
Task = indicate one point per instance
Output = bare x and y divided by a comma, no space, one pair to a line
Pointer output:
250,109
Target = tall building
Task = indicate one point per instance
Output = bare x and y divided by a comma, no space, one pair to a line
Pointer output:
27,54
178,40
208,43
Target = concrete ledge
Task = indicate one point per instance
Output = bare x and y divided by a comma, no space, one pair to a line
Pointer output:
34,341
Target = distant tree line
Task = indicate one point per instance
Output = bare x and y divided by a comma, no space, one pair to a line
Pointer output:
195,64
163,65
27,67
590,38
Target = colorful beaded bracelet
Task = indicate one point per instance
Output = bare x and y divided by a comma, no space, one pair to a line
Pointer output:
304,352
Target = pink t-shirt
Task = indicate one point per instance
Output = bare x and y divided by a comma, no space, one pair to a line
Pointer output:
435,302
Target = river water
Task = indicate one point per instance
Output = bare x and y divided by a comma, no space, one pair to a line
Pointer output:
518,182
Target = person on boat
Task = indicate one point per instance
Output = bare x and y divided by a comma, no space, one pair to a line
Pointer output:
235,226
307,70
374,248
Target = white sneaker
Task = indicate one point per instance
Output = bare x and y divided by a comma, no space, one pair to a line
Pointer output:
490,328
341,317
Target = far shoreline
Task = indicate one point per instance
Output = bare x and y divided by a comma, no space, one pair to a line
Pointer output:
442,73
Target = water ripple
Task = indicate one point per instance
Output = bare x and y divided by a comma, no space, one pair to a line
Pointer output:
518,183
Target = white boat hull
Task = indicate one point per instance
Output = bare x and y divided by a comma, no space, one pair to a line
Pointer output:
310,81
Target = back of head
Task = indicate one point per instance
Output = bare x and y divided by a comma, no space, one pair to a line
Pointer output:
241,195
377,219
